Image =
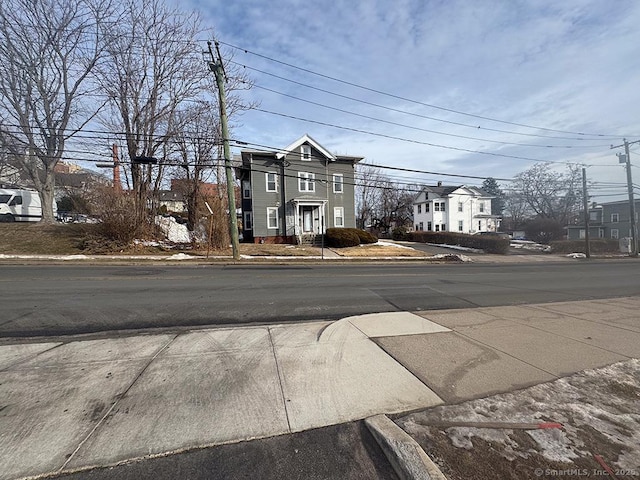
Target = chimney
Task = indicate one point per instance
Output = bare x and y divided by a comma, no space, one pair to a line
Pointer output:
117,184
439,183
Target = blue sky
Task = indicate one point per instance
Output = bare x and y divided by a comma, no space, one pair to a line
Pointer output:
567,66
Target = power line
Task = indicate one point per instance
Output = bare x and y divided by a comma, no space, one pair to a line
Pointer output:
423,129
459,149
398,97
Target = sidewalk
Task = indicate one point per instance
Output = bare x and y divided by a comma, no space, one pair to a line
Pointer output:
79,403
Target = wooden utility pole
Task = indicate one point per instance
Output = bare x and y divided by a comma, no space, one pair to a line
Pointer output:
585,203
632,205
217,68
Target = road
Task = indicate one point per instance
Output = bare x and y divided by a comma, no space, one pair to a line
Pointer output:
62,300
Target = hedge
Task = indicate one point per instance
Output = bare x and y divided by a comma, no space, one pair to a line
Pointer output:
597,245
349,237
342,237
487,243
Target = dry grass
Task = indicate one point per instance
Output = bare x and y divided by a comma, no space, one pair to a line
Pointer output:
378,251
70,239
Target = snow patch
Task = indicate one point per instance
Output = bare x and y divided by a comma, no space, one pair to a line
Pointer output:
174,231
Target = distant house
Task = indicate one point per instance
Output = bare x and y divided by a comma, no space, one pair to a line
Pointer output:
606,220
454,209
172,200
293,195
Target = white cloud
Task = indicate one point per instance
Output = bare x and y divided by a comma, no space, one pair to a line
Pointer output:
570,65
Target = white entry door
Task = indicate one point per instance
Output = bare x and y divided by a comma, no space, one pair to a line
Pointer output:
307,219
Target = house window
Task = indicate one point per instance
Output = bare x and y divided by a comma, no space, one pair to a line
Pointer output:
479,225
593,216
272,217
481,207
338,182
460,225
581,235
419,208
338,217
614,233
272,182
436,206
248,220
443,227
459,206
428,226
421,226
600,233
306,182
426,207
442,206
615,218
246,189
306,152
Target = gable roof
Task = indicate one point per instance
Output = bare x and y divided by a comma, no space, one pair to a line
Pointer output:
301,141
444,190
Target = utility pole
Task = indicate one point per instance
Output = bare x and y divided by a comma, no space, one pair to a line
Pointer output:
632,207
585,203
218,70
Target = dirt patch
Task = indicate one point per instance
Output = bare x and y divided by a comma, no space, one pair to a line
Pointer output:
600,415
30,238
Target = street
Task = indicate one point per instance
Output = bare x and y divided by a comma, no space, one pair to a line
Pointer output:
71,299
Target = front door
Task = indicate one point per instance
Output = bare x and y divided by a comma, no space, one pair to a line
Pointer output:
307,219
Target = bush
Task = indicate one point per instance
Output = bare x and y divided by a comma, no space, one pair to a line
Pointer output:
597,245
365,237
399,233
117,214
342,237
488,243
544,230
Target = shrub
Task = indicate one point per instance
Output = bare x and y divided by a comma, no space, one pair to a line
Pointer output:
544,230
365,237
342,237
487,243
399,233
597,245
117,214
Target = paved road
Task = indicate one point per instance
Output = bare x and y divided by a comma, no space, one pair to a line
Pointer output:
57,300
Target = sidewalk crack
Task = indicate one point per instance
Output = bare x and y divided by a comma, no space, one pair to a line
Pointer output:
117,401
284,400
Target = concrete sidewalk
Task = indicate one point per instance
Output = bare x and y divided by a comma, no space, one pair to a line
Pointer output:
75,404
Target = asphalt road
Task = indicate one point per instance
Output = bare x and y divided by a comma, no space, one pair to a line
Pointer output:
60,300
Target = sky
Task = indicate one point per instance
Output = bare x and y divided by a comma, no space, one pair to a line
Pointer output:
482,88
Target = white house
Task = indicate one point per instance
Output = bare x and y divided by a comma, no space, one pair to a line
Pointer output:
458,208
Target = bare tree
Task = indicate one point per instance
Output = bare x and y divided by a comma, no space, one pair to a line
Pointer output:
550,193
516,211
154,66
368,193
48,52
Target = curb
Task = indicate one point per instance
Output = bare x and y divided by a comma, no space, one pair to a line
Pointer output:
408,459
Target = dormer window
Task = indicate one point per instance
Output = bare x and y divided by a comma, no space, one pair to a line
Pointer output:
305,151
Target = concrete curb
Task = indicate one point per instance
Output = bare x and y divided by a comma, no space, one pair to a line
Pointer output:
405,454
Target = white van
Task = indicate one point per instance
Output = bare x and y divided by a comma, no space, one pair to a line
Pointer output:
20,206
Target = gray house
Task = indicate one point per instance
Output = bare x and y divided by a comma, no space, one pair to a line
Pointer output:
293,195
606,220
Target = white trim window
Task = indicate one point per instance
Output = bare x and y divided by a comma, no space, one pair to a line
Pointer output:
248,220
338,183
338,216
246,189
481,207
305,153
419,209
460,225
272,218
306,182
615,218
271,179
460,207
614,233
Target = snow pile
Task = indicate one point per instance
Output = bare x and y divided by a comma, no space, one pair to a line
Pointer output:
451,256
382,243
576,255
605,400
529,245
174,231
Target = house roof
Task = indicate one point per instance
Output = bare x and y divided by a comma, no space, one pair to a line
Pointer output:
301,141
444,190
